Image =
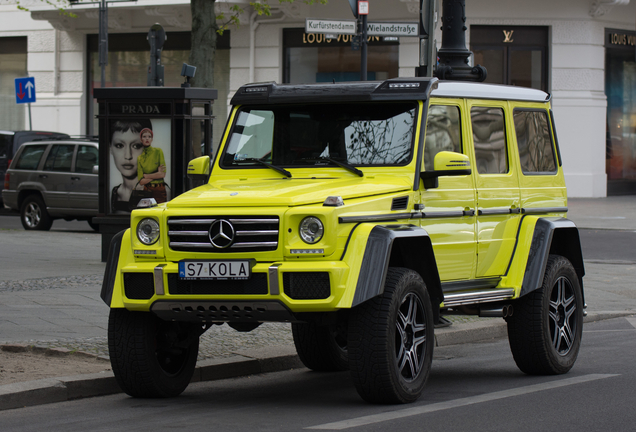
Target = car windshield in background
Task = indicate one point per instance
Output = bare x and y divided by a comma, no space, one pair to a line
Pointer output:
324,134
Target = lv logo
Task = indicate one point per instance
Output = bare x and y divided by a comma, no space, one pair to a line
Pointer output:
508,36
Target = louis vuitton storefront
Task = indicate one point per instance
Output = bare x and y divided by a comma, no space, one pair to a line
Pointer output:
620,89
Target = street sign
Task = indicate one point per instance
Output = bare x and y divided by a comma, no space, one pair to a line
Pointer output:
363,7
313,25
25,90
393,29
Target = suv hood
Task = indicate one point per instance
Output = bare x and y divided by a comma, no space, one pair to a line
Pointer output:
285,192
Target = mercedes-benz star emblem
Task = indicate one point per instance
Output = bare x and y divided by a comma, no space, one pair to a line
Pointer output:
221,233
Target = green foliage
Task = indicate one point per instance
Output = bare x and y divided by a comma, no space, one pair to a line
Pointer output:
261,7
58,4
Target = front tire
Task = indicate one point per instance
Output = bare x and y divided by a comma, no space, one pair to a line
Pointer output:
321,348
151,358
33,214
545,330
391,340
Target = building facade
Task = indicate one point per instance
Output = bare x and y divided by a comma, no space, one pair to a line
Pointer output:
581,52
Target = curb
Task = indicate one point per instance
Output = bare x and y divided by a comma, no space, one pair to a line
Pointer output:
50,390
247,362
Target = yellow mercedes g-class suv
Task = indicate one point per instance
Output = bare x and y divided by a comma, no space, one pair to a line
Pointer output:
359,213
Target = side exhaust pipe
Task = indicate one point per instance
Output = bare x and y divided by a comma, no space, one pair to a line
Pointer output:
499,312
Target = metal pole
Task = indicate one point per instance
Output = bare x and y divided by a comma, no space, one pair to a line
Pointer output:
103,39
363,50
30,124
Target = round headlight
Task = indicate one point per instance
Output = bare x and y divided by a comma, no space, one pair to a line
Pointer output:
148,231
311,230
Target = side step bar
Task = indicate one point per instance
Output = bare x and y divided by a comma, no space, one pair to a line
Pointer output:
466,298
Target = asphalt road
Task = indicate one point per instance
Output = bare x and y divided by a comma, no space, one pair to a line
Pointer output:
473,387
10,220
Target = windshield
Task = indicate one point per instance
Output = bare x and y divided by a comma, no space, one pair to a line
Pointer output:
307,135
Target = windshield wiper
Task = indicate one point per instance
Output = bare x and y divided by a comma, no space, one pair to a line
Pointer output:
283,171
337,162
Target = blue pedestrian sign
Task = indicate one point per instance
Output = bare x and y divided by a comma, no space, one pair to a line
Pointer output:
25,90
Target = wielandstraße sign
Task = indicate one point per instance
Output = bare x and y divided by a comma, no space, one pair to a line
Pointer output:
392,29
313,25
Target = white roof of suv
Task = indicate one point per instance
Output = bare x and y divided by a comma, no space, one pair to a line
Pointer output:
457,89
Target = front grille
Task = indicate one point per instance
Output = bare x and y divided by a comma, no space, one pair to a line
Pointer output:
139,286
306,285
251,234
257,284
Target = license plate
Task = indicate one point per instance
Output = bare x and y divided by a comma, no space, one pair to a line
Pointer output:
215,270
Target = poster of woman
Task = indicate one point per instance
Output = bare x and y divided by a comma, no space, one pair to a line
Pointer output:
148,179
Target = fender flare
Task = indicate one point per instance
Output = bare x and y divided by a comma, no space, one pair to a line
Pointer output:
110,273
387,246
558,236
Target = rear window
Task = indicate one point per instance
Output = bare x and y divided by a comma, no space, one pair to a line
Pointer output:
30,157
87,158
536,151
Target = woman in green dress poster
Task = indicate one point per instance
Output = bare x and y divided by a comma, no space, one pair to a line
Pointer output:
151,167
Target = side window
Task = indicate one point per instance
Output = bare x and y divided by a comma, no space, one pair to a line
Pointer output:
489,136
443,133
536,152
30,157
86,159
60,158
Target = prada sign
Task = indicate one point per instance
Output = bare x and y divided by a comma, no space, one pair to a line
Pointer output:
143,108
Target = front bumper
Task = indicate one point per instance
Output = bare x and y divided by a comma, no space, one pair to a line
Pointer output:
274,292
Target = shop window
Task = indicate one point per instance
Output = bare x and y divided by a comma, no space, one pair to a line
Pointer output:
536,152
313,58
620,89
514,55
128,59
489,137
13,64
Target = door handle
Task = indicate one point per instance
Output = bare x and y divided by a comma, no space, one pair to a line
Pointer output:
75,178
43,176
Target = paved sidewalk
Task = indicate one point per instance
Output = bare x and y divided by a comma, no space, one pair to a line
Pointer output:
49,297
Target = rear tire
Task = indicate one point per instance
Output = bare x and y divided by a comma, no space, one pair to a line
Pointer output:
33,214
545,330
151,358
391,340
321,348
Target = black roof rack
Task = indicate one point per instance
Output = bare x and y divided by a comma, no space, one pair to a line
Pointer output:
394,89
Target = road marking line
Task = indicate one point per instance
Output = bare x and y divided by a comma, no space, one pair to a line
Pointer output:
609,331
488,397
632,321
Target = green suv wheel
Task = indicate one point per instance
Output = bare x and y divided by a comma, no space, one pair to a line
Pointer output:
33,214
391,340
545,330
321,348
151,358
